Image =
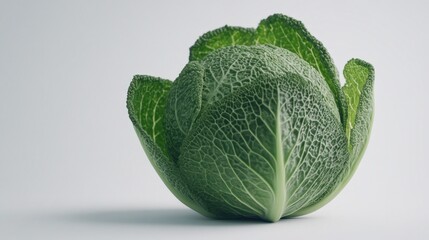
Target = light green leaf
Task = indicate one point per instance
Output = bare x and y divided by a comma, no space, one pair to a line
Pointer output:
183,106
146,105
219,38
265,151
284,32
359,94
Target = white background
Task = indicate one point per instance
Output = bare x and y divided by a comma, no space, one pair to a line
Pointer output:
71,166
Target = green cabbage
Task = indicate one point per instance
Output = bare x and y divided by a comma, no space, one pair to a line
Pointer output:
257,124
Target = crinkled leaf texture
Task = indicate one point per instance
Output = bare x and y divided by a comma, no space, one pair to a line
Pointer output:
268,150
282,31
146,103
257,124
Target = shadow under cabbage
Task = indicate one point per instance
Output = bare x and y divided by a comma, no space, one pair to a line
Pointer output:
153,217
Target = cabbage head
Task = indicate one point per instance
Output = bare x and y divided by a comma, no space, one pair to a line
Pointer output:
257,124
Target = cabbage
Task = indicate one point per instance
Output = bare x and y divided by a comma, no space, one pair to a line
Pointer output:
257,124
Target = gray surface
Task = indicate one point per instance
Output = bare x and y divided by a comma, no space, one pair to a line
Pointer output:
71,166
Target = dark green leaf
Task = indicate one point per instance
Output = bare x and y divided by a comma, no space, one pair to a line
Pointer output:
288,33
267,150
359,93
146,104
183,106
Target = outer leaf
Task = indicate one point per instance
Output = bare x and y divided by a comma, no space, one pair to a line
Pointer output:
183,106
359,93
266,150
146,104
357,74
284,32
219,38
